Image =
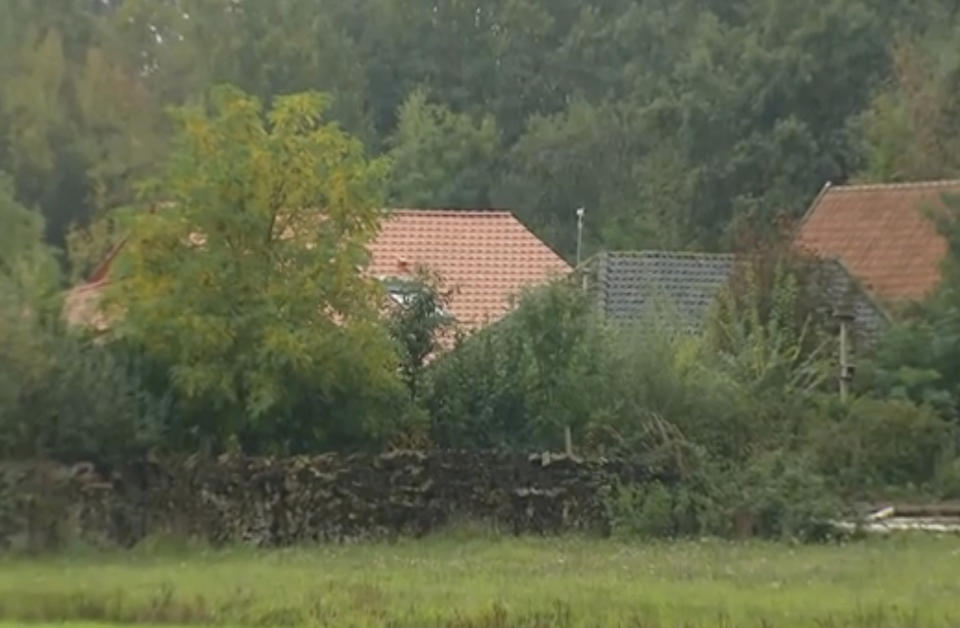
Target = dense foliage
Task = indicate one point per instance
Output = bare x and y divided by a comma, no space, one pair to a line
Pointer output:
670,122
241,319
751,421
251,300
60,395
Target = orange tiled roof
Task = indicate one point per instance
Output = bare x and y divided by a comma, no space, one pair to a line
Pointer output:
484,257
883,234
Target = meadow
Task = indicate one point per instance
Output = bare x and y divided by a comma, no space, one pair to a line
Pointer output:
462,580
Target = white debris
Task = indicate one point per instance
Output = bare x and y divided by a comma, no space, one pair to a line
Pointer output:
886,520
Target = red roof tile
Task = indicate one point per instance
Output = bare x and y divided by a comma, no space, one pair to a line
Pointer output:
484,257
883,234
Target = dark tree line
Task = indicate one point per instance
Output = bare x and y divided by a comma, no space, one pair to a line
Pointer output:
672,122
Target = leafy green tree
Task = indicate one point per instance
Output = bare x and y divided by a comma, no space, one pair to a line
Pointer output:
420,326
747,103
477,395
912,129
674,123
680,123
246,281
440,158
28,268
520,382
264,48
77,125
440,46
28,283
564,345
583,157
918,357
61,396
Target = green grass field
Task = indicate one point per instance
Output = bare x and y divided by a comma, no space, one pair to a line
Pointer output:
462,581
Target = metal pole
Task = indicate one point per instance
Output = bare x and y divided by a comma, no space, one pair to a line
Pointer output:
567,433
580,212
844,375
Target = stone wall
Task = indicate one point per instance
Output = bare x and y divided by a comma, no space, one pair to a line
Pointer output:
44,505
271,502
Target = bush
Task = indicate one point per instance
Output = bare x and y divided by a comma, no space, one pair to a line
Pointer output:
61,396
871,446
645,511
741,386
477,395
552,363
518,383
918,359
72,399
777,495
656,510
660,391
418,325
780,494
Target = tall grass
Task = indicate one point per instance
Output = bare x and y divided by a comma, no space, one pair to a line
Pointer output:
462,580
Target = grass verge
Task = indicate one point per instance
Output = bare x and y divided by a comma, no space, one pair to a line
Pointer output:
461,581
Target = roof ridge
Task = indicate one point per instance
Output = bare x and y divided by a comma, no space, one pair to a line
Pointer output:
448,210
652,252
491,212
860,187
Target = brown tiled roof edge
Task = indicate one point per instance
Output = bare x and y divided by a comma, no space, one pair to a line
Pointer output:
813,206
857,187
868,187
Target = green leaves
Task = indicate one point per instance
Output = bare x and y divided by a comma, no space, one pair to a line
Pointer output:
28,269
77,123
247,280
419,325
441,158
60,396
911,131
521,381
673,124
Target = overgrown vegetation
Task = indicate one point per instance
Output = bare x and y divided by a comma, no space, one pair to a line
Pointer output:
240,315
483,581
61,396
918,358
248,299
747,413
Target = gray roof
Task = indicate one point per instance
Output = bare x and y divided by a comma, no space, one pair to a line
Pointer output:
637,284
848,297
631,285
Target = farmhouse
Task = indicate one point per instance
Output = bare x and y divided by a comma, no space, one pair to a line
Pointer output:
884,234
878,245
482,258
